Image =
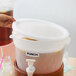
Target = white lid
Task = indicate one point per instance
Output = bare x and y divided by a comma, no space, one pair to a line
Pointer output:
50,36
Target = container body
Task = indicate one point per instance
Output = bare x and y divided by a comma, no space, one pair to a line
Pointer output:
6,43
45,63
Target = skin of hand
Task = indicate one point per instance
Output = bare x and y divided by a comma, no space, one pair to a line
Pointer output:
6,21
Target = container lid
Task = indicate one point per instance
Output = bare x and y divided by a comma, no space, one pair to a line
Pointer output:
39,35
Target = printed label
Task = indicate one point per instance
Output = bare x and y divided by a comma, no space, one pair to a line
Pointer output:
32,54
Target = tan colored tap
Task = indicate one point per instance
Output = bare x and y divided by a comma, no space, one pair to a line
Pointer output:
31,68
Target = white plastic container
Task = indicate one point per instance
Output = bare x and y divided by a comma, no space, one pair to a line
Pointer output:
40,40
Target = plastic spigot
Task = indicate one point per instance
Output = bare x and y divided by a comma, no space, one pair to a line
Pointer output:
30,69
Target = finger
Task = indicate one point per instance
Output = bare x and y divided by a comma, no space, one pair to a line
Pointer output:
11,19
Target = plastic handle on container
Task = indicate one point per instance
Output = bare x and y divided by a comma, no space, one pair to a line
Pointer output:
68,40
30,69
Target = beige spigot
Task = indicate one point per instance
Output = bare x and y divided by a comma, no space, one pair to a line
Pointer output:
31,68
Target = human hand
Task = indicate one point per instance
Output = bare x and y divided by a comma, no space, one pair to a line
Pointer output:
6,21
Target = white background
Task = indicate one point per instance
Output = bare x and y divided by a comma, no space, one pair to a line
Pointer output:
62,12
